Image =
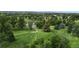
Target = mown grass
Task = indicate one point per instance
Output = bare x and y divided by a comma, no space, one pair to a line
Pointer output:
25,38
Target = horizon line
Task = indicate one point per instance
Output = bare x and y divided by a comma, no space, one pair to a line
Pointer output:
45,11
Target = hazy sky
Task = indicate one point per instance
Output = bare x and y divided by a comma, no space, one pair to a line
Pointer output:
39,5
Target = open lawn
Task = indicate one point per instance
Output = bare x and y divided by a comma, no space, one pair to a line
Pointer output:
25,38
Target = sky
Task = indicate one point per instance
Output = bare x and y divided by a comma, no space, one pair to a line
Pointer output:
39,5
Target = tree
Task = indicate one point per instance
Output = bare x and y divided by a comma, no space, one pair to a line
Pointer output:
5,29
13,21
46,27
59,41
21,23
59,22
70,26
75,29
30,24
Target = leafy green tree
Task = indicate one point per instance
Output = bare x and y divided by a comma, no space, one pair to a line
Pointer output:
75,29
46,26
13,21
59,41
5,29
21,23
70,26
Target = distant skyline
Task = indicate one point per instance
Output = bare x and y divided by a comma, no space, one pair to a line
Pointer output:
42,11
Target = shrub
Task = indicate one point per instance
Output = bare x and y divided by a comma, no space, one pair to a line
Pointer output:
46,28
75,29
59,41
60,26
3,37
41,43
38,43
